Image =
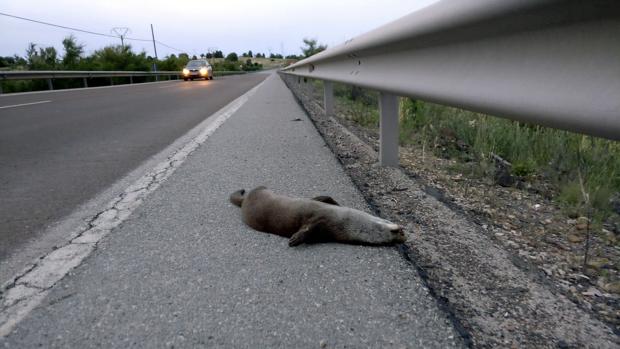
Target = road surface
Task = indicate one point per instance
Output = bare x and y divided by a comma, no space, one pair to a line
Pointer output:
59,149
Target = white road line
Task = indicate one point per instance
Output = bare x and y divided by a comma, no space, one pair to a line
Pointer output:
23,104
27,290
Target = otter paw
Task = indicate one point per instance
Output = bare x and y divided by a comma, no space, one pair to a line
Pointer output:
296,239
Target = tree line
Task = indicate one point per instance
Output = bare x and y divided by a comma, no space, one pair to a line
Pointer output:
122,58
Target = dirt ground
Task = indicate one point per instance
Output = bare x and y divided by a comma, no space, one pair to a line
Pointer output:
504,262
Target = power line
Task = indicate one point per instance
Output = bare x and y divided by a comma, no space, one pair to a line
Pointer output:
168,46
58,26
85,31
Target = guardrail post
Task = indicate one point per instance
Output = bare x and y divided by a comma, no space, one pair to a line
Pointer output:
85,82
130,79
388,130
111,81
50,86
328,97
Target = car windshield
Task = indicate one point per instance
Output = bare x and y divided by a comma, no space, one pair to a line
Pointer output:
195,64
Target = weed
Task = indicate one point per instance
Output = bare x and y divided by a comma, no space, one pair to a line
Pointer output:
535,152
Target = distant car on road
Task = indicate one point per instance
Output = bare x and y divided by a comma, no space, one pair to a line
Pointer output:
198,68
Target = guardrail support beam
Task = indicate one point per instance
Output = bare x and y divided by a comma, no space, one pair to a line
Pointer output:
50,86
388,130
328,97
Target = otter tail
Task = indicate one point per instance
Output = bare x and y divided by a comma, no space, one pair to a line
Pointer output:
237,197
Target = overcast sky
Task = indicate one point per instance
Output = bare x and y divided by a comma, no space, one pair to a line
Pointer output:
196,26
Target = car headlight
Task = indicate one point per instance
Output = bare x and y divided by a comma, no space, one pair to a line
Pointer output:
203,71
185,71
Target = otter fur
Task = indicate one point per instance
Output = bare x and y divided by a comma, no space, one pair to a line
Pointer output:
313,220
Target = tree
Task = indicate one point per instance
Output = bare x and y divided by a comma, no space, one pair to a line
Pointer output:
250,53
173,62
45,58
7,62
119,58
232,57
73,52
209,55
218,54
312,47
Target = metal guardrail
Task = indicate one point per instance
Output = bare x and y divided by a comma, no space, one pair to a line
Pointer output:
549,62
85,75
56,74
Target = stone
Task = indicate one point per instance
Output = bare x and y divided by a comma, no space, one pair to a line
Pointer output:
609,236
576,238
598,262
503,177
612,287
591,272
582,223
592,292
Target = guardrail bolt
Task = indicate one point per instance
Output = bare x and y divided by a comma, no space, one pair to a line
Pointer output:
50,86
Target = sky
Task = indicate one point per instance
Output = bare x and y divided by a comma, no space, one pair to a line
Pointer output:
195,27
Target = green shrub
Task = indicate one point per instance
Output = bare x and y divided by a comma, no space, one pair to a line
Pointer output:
560,157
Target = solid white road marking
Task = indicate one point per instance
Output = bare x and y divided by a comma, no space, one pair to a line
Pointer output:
25,291
23,104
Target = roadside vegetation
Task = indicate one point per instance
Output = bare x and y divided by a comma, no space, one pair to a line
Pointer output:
582,172
116,57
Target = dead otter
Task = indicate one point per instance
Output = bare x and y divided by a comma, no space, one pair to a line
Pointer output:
313,220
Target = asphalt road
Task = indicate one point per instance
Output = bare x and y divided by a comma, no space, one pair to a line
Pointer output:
184,271
59,149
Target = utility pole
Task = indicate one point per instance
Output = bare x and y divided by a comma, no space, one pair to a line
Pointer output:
121,32
155,49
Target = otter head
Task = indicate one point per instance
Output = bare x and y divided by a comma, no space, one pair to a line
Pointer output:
374,230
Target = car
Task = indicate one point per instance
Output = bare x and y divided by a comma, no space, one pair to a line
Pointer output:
198,68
